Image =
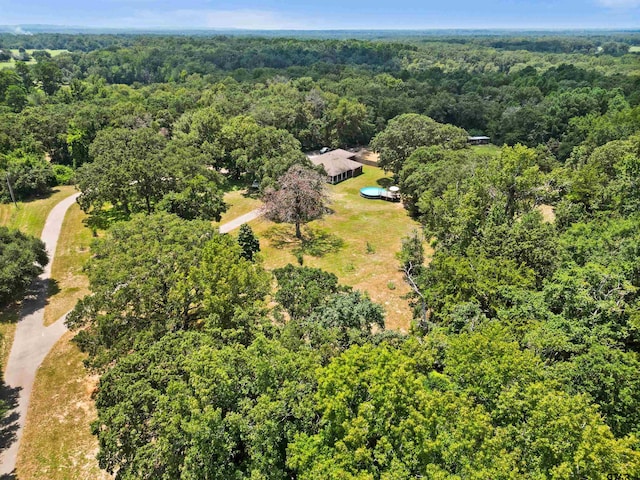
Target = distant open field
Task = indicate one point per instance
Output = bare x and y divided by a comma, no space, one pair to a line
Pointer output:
490,149
10,63
634,49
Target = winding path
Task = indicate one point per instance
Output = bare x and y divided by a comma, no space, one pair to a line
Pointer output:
32,341
235,223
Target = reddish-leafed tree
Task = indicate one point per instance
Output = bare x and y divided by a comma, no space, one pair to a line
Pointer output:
300,198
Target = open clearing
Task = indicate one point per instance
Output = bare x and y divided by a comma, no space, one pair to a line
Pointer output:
487,149
11,63
57,443
634,49
71,254
30,216
355,223
238,203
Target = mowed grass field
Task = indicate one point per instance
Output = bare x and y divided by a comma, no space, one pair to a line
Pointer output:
11,63
355,222
238,203
29,217
71,254
493,150
634,49
57,443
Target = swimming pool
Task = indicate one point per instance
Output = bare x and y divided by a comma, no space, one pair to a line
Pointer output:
372,192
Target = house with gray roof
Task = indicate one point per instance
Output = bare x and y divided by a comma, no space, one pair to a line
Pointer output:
338,165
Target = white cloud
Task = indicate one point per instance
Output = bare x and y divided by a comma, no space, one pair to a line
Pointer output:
620,4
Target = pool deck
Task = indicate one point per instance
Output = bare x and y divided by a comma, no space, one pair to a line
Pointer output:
389,197
380,194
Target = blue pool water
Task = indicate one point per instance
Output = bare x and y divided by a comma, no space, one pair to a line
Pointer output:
371,192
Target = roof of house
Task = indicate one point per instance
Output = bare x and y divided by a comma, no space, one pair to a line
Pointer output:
336,162
479,137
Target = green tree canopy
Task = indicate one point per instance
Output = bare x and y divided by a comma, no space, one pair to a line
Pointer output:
22,258
49,75
301,289
188,407
28,173
248,241
127,171
264,153
135,171
407,132
159,274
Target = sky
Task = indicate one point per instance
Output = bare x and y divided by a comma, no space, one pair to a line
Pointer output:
325,14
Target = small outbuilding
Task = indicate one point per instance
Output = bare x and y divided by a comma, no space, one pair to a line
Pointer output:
479,140
338,164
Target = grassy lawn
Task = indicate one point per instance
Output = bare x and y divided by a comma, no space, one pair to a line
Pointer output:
238,204
31,215
71,254
8,319
57,443
28,217
53,52
490,149
354,223
634,49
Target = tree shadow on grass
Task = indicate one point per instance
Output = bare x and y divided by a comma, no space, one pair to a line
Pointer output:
35,198
385,182
252,193
315,242
52,286
103,219
9,397
11,313
233,183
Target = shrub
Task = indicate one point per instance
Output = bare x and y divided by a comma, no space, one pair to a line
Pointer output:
64,174
29,174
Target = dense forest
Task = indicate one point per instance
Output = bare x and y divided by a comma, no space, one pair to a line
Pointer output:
523,356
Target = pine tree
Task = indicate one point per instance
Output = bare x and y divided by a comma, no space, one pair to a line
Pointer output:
248,242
